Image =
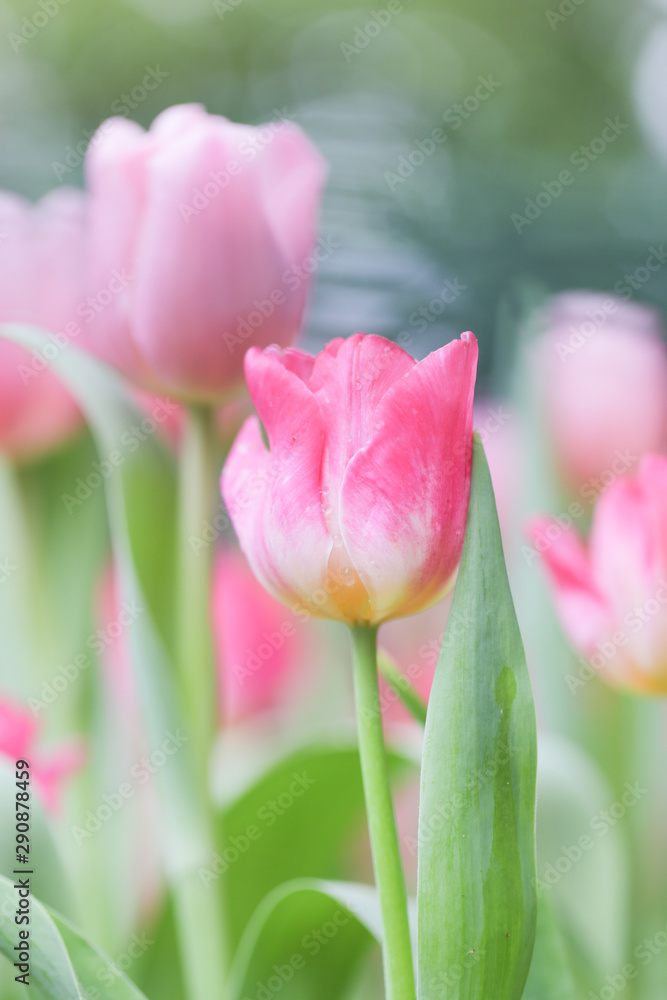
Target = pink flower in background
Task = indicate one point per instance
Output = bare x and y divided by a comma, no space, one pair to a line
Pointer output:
259,643
202,235
357,509
603,371
41,282
49,769
414,644
611,594
498,427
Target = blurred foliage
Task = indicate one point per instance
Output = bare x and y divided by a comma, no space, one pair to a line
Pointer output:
367,92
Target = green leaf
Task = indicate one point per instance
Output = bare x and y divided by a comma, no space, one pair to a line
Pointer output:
550,976
405,691
582,856
476,881
306,939
302,815
131,454
63,965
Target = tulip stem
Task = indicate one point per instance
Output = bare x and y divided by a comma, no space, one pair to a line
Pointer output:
197,491
199,910
389,875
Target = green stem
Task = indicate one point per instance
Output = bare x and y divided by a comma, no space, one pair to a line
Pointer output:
194,643
397,950
199,910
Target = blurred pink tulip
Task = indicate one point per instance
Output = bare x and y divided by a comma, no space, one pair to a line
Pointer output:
498,428
357,509
604,378
41,282
202,240
49,769
414,645
612,593
258,642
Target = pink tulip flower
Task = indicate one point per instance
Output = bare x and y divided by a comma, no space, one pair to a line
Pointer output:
259,644
604,377
611,594
357,509
41,282
49,769
202,243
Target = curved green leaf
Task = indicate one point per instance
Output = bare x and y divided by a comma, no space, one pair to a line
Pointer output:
306,939
476,881
550,976
298,819
63,964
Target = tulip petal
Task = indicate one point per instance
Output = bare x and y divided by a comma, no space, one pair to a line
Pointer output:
116,175
291,174
209,270
281,527
653,480
404,495
18,730
583,609
349,379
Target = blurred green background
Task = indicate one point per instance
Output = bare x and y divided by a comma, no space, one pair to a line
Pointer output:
369,83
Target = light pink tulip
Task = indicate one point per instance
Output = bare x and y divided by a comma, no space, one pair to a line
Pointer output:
611,593
604,379
357,509
49,769
259,643
202,233
41,282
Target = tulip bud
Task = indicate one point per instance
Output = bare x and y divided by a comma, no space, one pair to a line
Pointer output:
202,244
41,282
357,509
611,594
603,375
